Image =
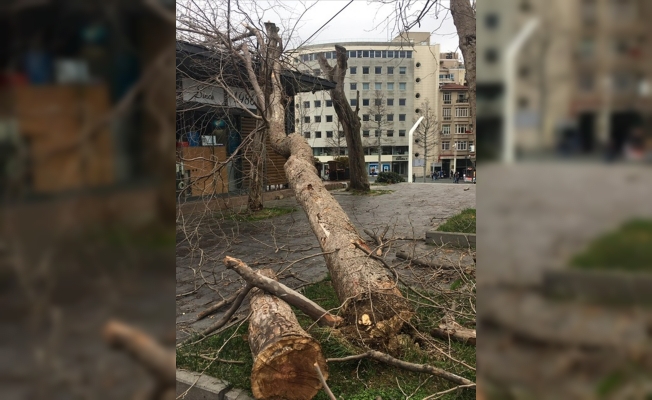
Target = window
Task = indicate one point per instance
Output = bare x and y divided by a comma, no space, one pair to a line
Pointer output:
317,103
329,118
390,85
353,54
401,117
401,102
316,72
377,53
402,70
390,133
390,70
317,118
401,132
491,21
365,133
378,86
390,54
359,53
378,70
461,145
365,102
461,112
353,70
365,86
447,98
446,112
354,102
471,148
390,102
446,145
365,117
390,117
460,129
446,129
377,132
306,120
306,104
329,134
409,54
461,98
365,54
378,102
306,135
402,86
400,150
365,70
329,103
402,54
317,134
353,86
378,117
491,55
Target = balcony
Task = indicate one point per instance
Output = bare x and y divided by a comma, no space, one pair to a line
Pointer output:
447,101
447,117
462,101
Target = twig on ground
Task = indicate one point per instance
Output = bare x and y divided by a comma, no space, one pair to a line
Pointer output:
323,383
215,307
386,358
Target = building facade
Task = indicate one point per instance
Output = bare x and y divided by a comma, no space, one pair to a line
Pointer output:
451,69
389,81
456,150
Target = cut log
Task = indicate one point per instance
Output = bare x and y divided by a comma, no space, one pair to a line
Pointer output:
161,363
457,333
284,354
292,297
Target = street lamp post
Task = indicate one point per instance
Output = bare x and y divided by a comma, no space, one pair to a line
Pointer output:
510,81
454,157
410,153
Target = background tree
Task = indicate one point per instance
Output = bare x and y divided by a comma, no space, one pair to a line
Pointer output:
348,118
376,121
427,134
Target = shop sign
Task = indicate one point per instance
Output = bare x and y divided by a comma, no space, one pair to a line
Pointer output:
400,158
201,93
243,97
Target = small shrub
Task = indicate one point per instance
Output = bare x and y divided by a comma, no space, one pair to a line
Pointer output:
389,177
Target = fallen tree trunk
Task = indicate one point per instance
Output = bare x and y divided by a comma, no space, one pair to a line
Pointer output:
161,363
312,309
372,305
284,354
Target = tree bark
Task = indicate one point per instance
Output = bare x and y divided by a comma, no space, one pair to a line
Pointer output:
373,307
464,20
284,354
348,118
256,157
312,309
161,363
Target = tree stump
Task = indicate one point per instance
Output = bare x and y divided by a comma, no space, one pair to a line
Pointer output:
284,354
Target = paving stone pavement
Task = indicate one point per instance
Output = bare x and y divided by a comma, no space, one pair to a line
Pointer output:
409,210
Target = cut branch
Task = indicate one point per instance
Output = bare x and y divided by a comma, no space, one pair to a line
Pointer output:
312,309
161,363
387,359
216,307
455,332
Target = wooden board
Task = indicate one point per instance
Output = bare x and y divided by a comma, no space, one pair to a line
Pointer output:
202,163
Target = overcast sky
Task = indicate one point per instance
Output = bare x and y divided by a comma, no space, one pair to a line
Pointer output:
369,20
362,19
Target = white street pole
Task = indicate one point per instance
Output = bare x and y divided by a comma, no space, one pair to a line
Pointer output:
410,155
510,81
454,157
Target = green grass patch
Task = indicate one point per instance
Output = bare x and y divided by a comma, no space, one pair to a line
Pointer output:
252,216
154,236
463,222
629,248
354,380
372,192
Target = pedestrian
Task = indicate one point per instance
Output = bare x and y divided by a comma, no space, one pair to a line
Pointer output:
457,177
414,177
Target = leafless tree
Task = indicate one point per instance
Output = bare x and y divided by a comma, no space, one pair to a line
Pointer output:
348,118
376,120
426,135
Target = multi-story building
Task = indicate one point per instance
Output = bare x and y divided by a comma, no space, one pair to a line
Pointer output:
389,81
456,149
451,69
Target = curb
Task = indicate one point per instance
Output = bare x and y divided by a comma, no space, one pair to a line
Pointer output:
205,387
452,238
614,287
